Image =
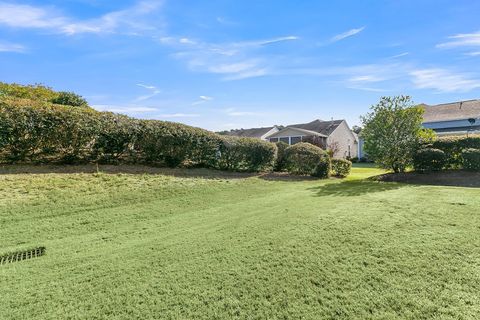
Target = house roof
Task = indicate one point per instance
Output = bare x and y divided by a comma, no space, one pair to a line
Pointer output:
452,111
323,127
299,130
251,133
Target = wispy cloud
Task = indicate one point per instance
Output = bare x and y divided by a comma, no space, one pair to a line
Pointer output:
473,54
12,47
443,80
364,82
233,60
123,109
403,54
153,92
235,113
363,88
177,115
367,78
49,18
202,99
346,34
462,40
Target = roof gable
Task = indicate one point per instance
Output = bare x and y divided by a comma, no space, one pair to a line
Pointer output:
323,127
293,132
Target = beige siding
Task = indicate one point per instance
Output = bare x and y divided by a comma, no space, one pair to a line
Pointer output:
344,137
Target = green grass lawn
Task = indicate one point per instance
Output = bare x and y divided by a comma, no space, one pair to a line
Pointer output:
159,246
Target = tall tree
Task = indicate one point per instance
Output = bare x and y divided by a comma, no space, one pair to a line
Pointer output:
393,131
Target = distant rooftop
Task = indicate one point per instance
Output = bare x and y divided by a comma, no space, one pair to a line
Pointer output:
320,126
252,132
452,111
317,126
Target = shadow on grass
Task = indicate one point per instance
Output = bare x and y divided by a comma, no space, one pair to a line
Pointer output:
284,176
450,178
351,188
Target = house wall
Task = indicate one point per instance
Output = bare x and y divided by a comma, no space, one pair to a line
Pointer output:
345,139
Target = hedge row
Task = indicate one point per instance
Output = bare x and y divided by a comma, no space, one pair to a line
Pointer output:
453,147
429,159
449,153
42,132
471,159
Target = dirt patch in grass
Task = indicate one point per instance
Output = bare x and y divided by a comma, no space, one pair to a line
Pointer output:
455,178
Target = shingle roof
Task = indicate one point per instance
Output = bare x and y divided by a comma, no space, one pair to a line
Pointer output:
452,111
251,133
304,131
323,127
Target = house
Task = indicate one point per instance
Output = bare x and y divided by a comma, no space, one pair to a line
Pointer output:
334,134
454,118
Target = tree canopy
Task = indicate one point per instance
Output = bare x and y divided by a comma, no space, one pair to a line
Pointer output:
38,93
393,131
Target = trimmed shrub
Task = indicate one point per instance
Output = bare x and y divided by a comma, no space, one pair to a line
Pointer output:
341,167
429,159
280,162
44,132
116,139
246,154
305,158
172,144
471,159
323,168
453,147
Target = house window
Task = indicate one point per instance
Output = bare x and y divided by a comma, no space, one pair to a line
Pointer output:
285,139
273,139
349,153
294,140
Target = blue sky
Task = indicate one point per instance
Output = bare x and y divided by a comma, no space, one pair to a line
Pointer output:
233,64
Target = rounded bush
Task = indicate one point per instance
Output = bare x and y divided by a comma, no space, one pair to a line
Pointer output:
323,168
305,158
471,159
341,167
429,159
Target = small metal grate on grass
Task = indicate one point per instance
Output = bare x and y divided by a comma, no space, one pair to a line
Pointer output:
22,255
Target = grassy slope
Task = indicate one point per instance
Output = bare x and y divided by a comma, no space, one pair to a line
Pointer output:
130,246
